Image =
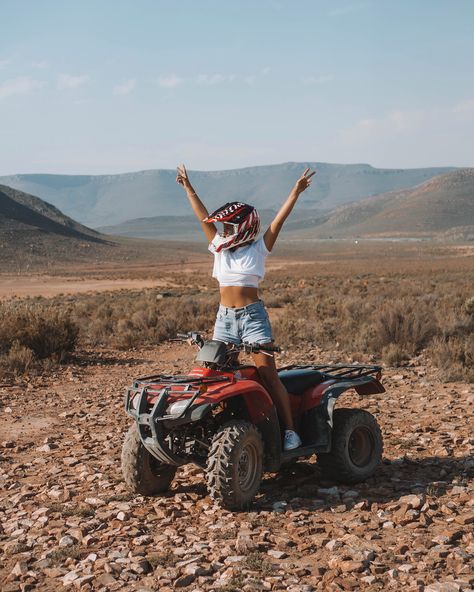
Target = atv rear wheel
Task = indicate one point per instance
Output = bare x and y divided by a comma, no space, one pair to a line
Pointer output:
234,465
357,447
142,472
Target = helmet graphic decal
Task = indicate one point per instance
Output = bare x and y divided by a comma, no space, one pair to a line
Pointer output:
243,217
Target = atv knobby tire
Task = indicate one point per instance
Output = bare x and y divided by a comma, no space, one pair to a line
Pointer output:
357,447
142,472
234,465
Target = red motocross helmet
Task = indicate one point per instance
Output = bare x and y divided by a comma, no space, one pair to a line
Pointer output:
244,220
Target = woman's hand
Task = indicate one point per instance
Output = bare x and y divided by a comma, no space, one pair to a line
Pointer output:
303,182
273,230
182,176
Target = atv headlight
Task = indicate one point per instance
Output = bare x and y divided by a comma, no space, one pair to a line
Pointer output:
177,408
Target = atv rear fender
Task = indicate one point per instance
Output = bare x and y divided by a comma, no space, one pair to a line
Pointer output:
318,404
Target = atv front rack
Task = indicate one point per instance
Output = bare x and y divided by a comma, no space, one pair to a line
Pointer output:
178,379
151,421
164,387
339,371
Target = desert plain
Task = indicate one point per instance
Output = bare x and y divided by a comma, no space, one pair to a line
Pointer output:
67,520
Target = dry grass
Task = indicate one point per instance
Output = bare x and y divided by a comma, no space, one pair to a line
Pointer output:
387,305
32,331
130,319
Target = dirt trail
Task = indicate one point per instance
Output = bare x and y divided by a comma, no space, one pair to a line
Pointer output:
67,520
52,285
48,286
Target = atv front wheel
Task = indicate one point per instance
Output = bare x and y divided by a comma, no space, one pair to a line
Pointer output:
142,472
234,465
357,447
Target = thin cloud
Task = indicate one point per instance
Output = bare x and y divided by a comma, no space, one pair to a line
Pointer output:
66,81
171,81
394,124
4,63
348,9
40,65
213,79
466,106
309,80
125,88
23,85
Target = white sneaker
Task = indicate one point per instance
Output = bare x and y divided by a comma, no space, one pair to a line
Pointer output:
291,440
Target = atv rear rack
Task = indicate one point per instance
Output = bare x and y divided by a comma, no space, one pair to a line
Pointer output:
338,370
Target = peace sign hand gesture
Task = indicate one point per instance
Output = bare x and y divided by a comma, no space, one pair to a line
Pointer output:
182,176
303,182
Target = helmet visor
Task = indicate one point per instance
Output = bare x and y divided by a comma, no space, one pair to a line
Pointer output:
229,228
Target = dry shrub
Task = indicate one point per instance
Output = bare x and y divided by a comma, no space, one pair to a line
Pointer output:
130,319
46,330
392,318
408,325
468,307
289,331
454,356
453,350
278,299
393,355
18,360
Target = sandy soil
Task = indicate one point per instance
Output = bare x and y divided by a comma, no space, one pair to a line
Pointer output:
52,285
43,285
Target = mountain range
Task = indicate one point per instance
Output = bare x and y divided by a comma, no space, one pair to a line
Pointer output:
34,232
440,205
112,199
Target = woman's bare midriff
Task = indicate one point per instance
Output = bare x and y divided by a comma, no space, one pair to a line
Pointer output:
238,296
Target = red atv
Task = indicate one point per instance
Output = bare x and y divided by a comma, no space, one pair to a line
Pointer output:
221,418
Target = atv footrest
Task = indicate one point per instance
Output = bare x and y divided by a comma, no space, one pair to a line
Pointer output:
303,451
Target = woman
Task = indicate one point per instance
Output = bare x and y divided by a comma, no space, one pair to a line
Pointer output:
239,265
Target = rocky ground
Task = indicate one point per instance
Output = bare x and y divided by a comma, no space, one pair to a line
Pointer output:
68,521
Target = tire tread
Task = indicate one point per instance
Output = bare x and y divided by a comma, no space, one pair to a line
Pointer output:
335,464
220,465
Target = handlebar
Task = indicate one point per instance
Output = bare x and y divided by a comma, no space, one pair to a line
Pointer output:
197,339
256,347
192,337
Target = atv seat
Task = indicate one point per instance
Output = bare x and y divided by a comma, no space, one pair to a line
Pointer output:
298,380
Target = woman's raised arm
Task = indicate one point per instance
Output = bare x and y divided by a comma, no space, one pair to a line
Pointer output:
273,230
198,207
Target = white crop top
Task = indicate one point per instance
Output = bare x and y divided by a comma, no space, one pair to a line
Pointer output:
244,266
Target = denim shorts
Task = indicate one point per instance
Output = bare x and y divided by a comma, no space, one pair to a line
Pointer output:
249,323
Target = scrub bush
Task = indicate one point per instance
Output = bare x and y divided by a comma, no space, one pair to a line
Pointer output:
46,330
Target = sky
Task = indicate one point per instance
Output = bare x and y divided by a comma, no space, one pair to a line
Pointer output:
90,87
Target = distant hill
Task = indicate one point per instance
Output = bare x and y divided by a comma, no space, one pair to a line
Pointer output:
112,199
22,210
36,235
167,227
442,205
32,230
188,228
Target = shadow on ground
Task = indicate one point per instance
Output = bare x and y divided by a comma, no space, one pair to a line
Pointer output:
299,483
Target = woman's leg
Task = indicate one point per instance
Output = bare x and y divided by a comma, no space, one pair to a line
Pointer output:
268,373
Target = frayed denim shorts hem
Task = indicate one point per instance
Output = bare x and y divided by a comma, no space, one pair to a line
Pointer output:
249,324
